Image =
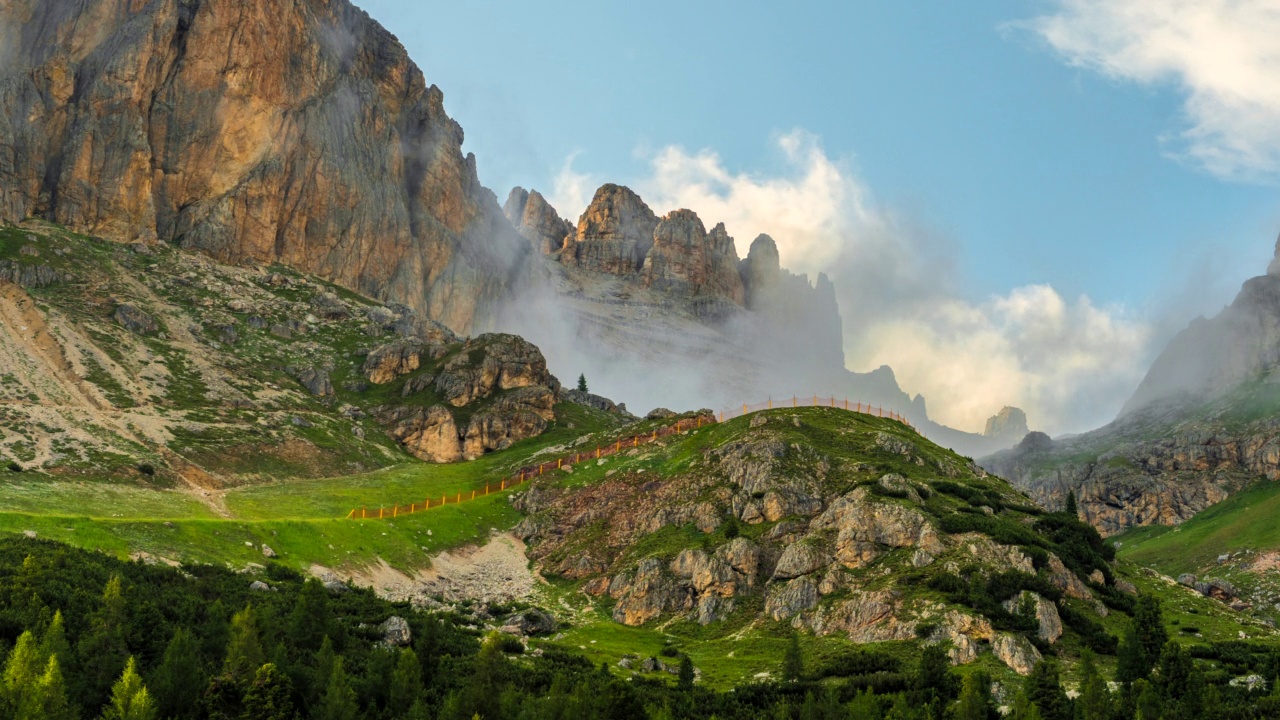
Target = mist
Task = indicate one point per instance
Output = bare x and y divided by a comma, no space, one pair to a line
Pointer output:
1069,363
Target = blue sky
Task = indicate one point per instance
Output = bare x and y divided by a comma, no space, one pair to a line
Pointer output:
1029,156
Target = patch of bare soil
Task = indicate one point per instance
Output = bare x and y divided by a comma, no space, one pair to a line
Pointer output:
494,572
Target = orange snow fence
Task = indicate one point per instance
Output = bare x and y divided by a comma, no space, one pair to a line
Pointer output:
684,425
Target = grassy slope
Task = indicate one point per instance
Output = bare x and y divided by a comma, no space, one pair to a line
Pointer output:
1243,521
298,519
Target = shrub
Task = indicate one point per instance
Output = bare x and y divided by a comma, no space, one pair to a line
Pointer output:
511,645
669,651
731,529
147,469
15,467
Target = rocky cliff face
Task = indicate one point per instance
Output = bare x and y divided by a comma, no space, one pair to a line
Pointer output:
298,133
685,259
817,520
536,220
614,234
1010,422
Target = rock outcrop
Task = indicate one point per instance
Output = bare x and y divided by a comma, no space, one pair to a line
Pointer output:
686,260
298,133
1010,423
614,234
536,220
501,381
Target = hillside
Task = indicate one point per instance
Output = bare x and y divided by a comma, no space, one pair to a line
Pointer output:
844,525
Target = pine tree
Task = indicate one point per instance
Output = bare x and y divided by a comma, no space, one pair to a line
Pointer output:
270,696
103,650
1071,508
244,649
1149,706
22,668
311,619
793,659
1148,621
686,676
129,697
975,698
865,706
582,383
47,697
339,700
406,683
1094,702
325,660
1044,687
176,683
1131,657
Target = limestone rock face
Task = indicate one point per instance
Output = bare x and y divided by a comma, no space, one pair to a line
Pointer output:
1046,614
684,259
614,234
502,379
298,133
1017,652
859,520
1009,423
536,221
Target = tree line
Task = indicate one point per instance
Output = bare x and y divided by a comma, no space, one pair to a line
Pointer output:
85,636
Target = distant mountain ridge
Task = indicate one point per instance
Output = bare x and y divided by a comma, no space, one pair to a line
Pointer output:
1204,423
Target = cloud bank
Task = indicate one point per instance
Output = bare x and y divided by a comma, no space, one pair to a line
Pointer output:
1222,54
1068,362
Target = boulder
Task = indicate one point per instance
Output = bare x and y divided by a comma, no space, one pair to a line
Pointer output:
1017,652
788,599
315,380
800,558
135,320
395,631
1044,611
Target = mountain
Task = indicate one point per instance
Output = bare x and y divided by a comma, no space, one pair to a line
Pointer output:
626,294
151,364
298,133
1201,426
301,134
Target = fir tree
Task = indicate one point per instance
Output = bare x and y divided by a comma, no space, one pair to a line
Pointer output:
102,651
21,669
270,695
339,700
1071,508
129,697
793,659
177,681
686,676
1094,702
1148,621
975,698
1044,688
311,619
1131,657
244,649
406,683
582,383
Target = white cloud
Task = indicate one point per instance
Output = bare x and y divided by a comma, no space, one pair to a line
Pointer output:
1223,54
1070,365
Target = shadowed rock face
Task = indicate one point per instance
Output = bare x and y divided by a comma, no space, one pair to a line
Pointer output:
536,221
267,132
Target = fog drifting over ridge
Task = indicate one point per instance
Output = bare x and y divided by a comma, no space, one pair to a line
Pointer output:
1069,363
